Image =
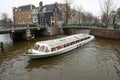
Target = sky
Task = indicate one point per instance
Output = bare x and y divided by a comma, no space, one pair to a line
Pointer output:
92,6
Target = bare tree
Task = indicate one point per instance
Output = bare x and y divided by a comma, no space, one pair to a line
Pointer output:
83,18
80,14
106,8
67,11
5,20
89,17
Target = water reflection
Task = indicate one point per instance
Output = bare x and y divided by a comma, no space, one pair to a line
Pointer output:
114,45
42,63
107,41
50,62
109,59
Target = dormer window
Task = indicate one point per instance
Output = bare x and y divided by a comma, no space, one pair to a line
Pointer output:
44,9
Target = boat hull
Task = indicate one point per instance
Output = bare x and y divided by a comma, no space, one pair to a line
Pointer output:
61,51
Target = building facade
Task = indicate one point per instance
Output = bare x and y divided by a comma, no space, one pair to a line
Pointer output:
22,14
49,15
35,13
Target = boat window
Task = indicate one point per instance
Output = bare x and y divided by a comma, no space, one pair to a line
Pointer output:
85,38
77,41
60,47
73,42
52,49
36,46
42,48
47,50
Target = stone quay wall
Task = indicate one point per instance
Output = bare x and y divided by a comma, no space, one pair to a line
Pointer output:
105,33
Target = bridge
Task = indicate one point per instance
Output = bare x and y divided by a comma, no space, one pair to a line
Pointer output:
18,32
26,31
4,30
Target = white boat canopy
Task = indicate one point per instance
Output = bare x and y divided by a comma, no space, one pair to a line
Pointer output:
62,41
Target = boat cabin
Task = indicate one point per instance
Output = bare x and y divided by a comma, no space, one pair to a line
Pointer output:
60,43
42,47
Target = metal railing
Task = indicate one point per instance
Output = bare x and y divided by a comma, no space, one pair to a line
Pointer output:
8,28
111,26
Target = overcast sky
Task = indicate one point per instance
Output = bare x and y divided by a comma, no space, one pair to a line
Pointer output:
92,6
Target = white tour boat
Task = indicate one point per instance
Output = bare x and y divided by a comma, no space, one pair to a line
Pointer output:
58,46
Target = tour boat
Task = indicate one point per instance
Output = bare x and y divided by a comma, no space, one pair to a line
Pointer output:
58,46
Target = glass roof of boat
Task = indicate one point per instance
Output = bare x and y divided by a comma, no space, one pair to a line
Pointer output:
62,41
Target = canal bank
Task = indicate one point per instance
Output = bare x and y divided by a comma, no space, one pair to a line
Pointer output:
106,33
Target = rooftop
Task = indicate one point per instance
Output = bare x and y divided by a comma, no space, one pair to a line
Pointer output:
26,7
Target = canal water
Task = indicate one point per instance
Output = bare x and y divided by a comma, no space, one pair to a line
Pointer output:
97,60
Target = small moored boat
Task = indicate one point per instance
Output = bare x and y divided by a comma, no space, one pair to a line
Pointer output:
58,46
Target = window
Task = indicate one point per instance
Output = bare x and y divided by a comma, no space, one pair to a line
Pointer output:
41,19
42,48
44,9
42,15
29,16
52,19
32,15
47,50
19,9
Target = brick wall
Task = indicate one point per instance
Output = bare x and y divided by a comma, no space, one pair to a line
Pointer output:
23,17
105,33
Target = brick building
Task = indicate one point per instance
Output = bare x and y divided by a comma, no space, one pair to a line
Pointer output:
22,14
50,14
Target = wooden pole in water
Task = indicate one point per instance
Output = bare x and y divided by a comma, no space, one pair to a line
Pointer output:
1,46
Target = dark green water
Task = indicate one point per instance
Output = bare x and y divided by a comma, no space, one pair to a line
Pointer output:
97,60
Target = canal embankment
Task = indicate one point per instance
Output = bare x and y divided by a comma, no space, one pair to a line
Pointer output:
106,33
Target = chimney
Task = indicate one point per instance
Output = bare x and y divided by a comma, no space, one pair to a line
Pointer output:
14,9
40,4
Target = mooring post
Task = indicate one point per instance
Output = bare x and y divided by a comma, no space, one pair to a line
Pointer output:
28,33
1,46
